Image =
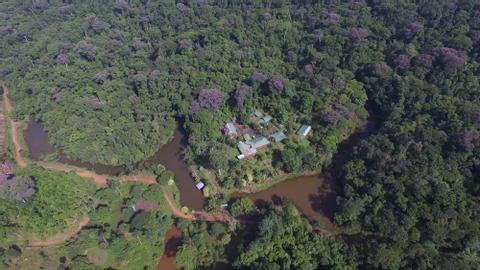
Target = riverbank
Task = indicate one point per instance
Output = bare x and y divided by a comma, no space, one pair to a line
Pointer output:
173,239
13,129
312,193
170,156
102,180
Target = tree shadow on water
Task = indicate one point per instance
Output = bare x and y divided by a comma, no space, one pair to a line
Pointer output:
324,200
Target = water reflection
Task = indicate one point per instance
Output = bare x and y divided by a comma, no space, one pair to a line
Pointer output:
173,239
170,155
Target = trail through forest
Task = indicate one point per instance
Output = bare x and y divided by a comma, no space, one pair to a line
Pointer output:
199,215
13,129
102,180
62,237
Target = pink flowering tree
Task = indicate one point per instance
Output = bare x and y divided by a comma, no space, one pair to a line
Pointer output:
181,7
4,30
358,34
194,107
336,113
184,43
423,60
138,45
86,50
333,17
471,140
209,99
402,61
258,77
113,45
411,29
308,69
121,4
139,78
62,59
66,9
276,83
241,94
449,58
101,76
96,24
19,188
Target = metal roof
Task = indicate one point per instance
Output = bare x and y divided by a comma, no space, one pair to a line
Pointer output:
278,136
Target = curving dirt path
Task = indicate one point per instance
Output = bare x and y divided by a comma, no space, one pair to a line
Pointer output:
13,129
98,179
60,238
102,180
145,180
199,215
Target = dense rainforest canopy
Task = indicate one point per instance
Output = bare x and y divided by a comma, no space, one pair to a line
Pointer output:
108,79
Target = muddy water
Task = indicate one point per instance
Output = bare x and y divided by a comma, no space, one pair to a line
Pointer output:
170,155
37,141
312,195
39,147
315,196
173,239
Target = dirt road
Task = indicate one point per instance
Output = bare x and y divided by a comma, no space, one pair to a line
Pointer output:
98,179
60,238
145,180
199,215
101,179
13,129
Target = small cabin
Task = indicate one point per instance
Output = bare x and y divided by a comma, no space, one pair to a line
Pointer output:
278,136
265,120
229,129
256,114
305,130
246,150
258,142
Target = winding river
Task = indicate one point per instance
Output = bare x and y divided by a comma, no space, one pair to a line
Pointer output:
313,195
170,155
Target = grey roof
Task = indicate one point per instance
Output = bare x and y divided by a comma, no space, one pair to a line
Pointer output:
246,149
231,128
265,119
259,142
304,129
278,136
256,114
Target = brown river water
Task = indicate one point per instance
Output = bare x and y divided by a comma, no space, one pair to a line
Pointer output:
313,195
170,155
173,239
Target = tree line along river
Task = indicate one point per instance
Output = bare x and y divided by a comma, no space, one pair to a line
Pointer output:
314,195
